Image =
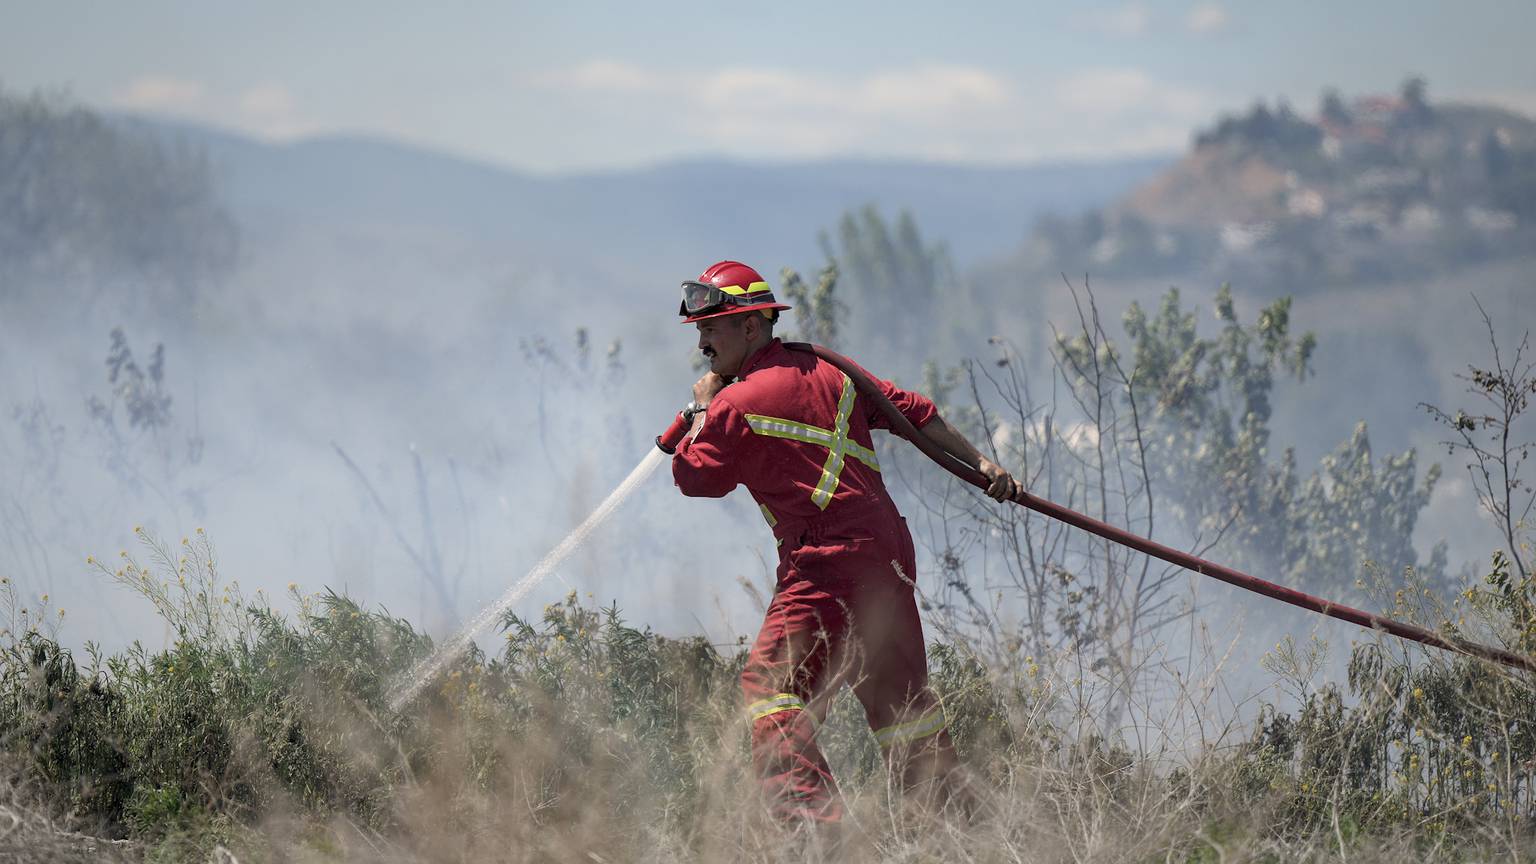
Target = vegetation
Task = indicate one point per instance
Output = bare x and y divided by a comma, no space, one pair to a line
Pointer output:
93,211
585,738
905,288
256,735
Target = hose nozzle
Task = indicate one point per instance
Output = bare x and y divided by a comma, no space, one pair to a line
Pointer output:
667,441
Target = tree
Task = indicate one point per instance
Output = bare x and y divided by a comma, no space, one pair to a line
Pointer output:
1496,450
817,310
90,208
1332,109
1415,95
1210,451
902,292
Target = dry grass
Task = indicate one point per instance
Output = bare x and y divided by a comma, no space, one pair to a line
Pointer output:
584,739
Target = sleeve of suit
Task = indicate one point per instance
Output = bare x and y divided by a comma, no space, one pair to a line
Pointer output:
712,463
914,406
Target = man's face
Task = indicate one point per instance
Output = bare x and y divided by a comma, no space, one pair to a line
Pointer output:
724,341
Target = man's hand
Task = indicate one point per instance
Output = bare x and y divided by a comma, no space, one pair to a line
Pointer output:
706,388
1002,486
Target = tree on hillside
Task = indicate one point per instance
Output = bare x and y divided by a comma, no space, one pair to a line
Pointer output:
1415,96
90,208
903,296
1279,131
1332,109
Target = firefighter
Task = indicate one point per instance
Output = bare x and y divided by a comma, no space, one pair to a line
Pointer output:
791,428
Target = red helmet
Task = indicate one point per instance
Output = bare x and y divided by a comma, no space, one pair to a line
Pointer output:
726,288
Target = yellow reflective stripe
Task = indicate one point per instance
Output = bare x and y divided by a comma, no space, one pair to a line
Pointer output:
836,440
931,723
832,471
772,523
862,453
777,427
737,290
774,704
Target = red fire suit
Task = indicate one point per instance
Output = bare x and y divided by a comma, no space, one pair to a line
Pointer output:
793,431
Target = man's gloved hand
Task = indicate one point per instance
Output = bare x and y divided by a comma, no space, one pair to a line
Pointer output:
1002,486
706,388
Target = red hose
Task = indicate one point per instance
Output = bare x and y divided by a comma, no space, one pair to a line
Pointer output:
903,427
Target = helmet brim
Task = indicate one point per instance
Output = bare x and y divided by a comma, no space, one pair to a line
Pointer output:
736,310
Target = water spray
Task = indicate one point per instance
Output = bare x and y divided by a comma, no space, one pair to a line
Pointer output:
428,669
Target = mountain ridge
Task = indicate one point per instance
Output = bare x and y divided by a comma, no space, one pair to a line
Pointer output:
656,214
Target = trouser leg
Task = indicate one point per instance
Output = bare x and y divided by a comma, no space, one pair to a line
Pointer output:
786,684
890,678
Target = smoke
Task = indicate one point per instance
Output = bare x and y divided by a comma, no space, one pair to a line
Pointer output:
454,647
469,381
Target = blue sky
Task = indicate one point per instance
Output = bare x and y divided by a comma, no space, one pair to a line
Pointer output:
581,86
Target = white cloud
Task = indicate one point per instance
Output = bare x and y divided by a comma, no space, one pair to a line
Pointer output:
160,93
931,88
1112,91
1206,18
763,89
269,111
265,110
267,100
609,75
932,111
1132,19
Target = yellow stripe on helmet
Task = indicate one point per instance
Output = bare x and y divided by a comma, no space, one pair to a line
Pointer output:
737,290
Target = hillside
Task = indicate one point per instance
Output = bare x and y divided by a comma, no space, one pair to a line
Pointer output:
652,217
1371,189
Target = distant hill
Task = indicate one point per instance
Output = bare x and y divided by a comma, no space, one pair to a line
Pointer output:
1379,153
654,217
1372,189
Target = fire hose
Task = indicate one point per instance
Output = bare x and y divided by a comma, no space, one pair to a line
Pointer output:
903,427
